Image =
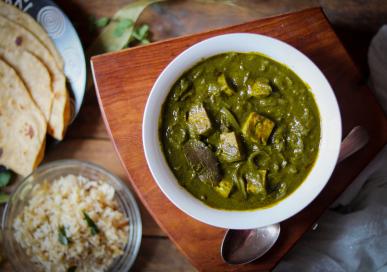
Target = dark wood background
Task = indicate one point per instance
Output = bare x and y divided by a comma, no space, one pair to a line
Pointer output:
354,21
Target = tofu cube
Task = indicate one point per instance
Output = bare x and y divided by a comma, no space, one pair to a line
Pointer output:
224,188
257,128
256,182
261,88
229,147
198,120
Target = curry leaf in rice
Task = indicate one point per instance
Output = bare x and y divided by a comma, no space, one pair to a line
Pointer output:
62,237
93,227
5,178
58,201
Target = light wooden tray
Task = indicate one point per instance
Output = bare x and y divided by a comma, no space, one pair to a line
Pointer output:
124,79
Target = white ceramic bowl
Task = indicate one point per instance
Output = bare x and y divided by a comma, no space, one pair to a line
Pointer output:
330,131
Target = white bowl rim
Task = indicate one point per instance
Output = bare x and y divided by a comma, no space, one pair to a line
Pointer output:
330,122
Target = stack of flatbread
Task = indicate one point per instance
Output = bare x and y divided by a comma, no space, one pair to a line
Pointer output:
33,95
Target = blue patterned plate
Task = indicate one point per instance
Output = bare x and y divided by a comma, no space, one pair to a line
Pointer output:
66,40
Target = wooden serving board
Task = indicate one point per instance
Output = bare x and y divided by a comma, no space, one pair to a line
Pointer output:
124,79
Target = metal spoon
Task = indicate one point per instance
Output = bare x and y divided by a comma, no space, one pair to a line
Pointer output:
245,246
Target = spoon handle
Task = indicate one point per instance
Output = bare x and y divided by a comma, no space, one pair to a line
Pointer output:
356,139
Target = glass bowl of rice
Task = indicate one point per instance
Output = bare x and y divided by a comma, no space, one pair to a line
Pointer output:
70,216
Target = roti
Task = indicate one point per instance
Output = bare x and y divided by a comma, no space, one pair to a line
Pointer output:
13,36
22,125
34,75
14,14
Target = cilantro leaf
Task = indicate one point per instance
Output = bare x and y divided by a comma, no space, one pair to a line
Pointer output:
5,178
141,33
62,237
143,30
112,37
93,227
121,26
102,22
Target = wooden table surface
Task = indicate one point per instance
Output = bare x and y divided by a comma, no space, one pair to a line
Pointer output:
87,138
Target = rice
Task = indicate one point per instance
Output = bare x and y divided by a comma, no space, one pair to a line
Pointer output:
55,232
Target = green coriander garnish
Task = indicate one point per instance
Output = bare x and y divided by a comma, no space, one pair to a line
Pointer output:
5,178
93,227
122,26
141,33
62,237
102,22
117,34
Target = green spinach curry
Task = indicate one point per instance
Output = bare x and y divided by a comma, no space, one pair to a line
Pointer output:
240,131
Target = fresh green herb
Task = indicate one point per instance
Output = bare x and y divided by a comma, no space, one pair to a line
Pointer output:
93,227
72,269
102,22
145,41
62,237
122,26
5,178
114,37
141,34
3,198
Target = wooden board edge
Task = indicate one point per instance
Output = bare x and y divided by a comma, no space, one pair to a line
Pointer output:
111,138
139,195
